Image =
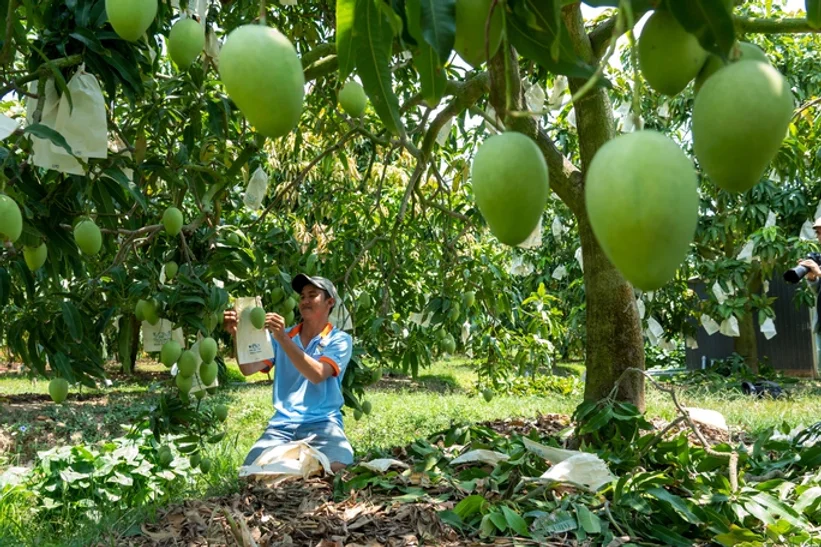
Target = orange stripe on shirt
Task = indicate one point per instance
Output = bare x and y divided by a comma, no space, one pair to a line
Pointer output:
331,362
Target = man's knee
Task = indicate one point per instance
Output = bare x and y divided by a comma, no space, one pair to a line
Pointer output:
336,467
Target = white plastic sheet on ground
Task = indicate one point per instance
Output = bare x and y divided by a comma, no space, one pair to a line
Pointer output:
294,459
729,327
381,465
550,454
584,470
768,328
708,417
560,272
7,126
710,325
481,455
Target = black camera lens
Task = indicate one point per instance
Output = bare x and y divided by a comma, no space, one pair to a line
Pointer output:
796,274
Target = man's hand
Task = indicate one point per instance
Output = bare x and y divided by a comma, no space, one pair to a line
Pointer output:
815,270
276,324
229,322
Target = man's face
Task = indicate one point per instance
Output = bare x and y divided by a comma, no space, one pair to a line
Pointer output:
818,233
313,304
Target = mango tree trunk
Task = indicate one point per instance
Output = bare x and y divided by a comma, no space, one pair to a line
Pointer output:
614,337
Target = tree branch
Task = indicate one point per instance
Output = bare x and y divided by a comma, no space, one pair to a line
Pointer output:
466,94
565,178
42,70
773,26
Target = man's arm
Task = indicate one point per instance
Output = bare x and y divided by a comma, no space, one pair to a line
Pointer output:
257,366
315,371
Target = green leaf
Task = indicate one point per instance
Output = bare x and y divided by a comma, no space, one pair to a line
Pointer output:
469,506
374,37
588,520
536,46
44,132
515,522
345,10
88,39
598,420
118,176
439,26
73,320
737,535
668,536
710,21
431,75
781,509
498,520
678,504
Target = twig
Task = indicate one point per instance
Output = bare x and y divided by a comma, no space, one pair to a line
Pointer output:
807,105
9,23
359,256
43,70
731,456
298,179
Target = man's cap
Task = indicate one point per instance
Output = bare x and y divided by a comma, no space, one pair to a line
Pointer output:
817,223
299,282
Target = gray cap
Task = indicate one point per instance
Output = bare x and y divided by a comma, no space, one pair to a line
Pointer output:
298,283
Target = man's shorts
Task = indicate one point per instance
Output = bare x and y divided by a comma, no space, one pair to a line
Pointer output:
330,440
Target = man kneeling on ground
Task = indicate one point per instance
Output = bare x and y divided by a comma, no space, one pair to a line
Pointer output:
310,360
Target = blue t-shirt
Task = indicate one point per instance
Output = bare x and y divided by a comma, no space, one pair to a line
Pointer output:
297,400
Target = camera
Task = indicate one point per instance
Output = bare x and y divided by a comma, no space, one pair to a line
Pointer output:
797,274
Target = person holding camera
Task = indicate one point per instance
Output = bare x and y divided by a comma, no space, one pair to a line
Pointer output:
813,276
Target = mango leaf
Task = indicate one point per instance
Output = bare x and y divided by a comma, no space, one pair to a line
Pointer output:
737,535
668,536
536,45
515,522
470,506
547,16
678,504
431,75
73,320
373,38
588,519
498,520
710,21
344,37
781,509
439,26
44,132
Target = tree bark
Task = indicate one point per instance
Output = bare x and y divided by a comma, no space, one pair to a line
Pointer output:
615,341
746,344
614,337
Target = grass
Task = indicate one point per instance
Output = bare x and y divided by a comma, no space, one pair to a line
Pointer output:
403,410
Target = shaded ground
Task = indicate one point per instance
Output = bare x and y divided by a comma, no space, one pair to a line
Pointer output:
305,513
